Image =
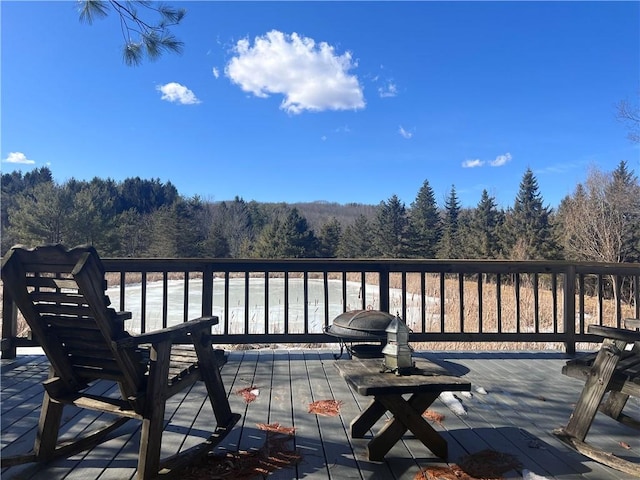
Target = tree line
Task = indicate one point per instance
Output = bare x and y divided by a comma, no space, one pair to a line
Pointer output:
599,221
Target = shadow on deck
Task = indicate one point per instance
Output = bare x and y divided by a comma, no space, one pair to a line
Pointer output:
517,399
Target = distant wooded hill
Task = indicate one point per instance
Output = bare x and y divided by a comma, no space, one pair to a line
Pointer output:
138,217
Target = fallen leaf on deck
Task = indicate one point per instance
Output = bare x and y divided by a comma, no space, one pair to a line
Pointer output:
276,427
442,473
328,408
434,417
249,393
272,456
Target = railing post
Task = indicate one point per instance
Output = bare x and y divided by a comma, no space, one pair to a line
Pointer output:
207,290
569,309
384,290
9,326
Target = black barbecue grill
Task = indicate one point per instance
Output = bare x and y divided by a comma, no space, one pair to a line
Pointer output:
361,332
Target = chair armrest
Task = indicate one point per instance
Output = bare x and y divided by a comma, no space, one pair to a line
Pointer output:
179,331
628,336
122,316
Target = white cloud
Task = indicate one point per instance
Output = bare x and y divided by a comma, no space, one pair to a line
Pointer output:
216,72
404,133
389,90
176,93
476,162
501,160
18,157
310,76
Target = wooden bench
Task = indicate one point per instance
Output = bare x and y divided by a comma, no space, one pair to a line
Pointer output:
614,368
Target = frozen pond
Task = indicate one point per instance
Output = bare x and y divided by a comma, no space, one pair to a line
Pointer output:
256,303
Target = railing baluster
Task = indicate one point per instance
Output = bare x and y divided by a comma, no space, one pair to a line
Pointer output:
403,294
554,299
286,302
143,301
423,303
185,297
536,304
461,300
442,302
499,301
480,280
305,300
581,302
516,286
325,282
246,303
227,320
266,302
165,299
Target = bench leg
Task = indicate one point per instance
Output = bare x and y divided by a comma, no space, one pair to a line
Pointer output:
367,419
407,415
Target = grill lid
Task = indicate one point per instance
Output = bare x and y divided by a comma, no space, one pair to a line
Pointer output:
360,325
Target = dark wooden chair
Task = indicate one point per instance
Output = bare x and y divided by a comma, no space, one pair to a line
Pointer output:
61,294
615,369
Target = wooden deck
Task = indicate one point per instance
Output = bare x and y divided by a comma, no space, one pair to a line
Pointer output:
526,398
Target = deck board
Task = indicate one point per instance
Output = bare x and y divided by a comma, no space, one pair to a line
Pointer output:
526,398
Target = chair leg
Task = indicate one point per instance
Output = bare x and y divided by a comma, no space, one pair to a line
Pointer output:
614,404
210,374
48,428
595,388
153,415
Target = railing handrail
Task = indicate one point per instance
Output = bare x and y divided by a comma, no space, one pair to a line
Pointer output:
565,276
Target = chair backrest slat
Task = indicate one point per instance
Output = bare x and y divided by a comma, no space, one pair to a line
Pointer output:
61,294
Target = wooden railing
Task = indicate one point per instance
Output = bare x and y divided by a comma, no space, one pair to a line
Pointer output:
292,301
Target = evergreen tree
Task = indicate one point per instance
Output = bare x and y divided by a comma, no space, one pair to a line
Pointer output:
528,233
163,233
143,35
449,243
392,232
92,219
329,238
355,241
483,240
133,234
287,238
192,227
41,215
426,225
234,222
216,244
13,186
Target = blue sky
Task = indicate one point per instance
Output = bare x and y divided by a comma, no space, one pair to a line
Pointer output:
335,101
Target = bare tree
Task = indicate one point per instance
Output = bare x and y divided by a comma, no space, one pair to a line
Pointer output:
629,113
601,220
